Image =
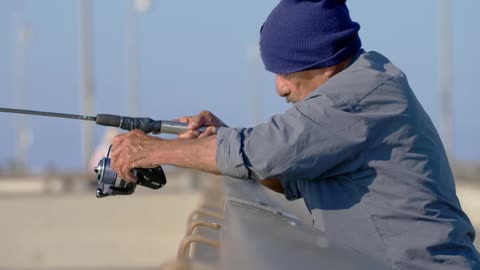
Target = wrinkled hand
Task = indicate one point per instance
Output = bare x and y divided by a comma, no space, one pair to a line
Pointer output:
273,184
204,118
132,150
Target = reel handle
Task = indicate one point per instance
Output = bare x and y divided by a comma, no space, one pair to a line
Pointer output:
153,178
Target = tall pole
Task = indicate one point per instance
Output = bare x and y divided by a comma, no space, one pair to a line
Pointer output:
21,33
253,57
446,128
134,7
87,80
132,60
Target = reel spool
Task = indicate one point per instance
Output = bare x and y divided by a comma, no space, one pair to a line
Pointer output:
108,183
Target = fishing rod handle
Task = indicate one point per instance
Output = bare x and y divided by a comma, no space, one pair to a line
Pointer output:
172,127
146,125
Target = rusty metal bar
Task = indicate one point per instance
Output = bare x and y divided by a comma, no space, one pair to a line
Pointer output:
184,248
204,212
201,223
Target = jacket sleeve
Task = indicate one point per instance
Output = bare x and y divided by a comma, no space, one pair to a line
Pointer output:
302,144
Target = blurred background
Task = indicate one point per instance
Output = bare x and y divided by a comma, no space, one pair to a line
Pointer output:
165,59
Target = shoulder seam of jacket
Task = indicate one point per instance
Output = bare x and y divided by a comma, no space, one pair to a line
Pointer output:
378,86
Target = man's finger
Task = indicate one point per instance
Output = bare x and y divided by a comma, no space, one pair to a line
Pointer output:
132,177
118,139
116,167
183,119
208,132
127,174
196,122
113,159
191,134
203,118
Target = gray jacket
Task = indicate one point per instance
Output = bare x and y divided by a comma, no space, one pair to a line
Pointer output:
369,164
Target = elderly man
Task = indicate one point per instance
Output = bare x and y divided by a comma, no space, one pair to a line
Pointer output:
356,145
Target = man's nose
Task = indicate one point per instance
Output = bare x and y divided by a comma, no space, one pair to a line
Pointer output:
282,89
282,92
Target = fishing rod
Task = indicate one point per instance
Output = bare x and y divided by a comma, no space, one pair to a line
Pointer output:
108,182
146,125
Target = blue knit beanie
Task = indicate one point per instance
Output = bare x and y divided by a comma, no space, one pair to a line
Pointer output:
307,34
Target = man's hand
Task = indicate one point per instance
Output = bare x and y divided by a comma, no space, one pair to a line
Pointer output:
135,149
132,150
273,184
204,118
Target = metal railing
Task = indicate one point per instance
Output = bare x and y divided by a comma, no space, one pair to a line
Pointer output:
242,225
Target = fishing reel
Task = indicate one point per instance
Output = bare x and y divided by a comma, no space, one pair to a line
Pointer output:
108,183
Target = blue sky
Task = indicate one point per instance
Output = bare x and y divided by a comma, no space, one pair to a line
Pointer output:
194,56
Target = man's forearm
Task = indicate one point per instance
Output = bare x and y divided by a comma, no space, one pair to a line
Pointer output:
197,154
